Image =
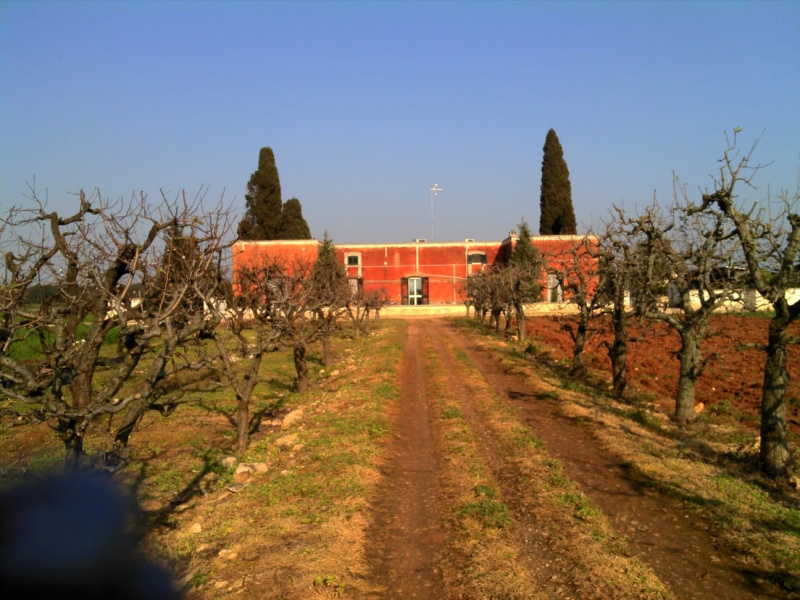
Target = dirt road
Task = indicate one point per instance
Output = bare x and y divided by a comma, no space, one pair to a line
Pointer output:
411,534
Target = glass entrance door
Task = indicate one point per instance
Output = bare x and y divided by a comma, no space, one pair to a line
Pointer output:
415,291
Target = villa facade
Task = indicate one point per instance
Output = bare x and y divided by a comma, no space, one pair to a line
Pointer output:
419,272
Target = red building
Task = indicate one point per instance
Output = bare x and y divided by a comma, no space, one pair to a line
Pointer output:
417,272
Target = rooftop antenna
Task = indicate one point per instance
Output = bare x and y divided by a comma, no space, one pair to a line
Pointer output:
434,190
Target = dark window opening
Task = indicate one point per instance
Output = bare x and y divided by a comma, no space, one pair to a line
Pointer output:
476,258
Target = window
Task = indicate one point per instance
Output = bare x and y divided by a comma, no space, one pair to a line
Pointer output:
476,258
414,291
352,261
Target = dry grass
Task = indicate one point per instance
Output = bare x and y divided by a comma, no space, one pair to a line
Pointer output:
711,466
538,492
518,527
296,531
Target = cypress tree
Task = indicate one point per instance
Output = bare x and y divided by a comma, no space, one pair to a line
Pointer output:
557,214
524,254
293,225
330,292
522,282
262,220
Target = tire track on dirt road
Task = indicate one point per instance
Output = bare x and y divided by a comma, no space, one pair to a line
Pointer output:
407,534
553,576
674,542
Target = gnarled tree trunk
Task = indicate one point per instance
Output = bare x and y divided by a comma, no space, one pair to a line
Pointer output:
775,457
301,367
690,358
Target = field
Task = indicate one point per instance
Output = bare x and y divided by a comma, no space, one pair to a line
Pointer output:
435,459
732,379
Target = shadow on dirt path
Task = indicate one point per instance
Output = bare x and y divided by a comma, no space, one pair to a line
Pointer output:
674,541
407,533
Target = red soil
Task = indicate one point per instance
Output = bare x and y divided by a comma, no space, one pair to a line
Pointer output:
734,372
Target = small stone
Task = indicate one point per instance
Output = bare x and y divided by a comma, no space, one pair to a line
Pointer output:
227,554
228,462
335,373
196,528
260,467
242,473
287,441
292,418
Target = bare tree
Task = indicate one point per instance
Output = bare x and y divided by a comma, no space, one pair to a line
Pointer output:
103,260
579,281
292,306
679,257
615,259
374,301
485,291
363,304
477,294
770,245
246,335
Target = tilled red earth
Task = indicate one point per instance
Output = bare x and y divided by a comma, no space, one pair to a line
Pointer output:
733,375
408,537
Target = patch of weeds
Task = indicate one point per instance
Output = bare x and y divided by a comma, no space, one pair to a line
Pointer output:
259,448
198,579
377,430
551,395
557,478
584,509
462,356
310,519
724,408
571,385
386,391
524,438
643,417
531,349
458,436
329,581
154,448
487,509
170,481
452,413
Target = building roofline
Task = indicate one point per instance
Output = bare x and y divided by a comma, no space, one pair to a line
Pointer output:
575,237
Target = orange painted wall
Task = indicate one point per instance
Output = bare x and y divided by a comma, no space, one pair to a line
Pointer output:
445,265
384,265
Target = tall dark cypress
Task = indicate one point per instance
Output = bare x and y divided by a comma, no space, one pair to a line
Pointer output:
557,214
293,225
262,220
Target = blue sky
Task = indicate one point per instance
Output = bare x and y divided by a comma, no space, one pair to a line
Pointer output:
367,105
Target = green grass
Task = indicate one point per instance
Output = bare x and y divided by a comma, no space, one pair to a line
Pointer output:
487,509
